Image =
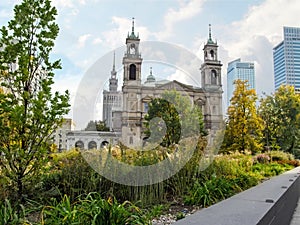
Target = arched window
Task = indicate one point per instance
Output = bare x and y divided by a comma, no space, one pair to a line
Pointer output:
132,72
212,54
103,144
214,77
79,145
92,145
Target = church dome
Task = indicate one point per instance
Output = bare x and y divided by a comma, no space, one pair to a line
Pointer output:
150,77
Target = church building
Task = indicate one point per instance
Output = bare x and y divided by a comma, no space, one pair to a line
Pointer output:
124,110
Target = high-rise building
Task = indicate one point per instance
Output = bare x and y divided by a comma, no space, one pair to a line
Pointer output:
286,57
238,70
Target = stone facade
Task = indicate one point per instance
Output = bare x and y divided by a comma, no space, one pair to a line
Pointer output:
127,117
60,134
91,139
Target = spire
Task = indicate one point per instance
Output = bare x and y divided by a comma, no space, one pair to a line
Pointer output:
209,41
114,72
150,70
132,25
114,64
132,35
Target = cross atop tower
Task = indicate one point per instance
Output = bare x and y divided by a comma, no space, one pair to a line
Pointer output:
209,41
132,35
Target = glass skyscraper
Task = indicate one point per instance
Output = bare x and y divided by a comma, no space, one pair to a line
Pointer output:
286,57
242,71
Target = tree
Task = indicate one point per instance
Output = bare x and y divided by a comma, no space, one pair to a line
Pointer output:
244,126
96,126
174,115
29,111
281,114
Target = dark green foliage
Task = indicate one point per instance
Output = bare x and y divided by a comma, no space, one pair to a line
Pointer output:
96,125
178,119
167,112
281,114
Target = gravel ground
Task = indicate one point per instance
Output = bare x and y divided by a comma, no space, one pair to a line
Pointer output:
175,213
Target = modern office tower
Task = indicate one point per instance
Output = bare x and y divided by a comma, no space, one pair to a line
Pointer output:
286,58
242,71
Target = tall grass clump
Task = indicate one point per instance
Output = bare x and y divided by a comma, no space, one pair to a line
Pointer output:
92,209
10,215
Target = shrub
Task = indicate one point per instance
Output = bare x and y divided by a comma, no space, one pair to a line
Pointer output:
210,192
280,155
271,169
261,158
71,175
229,165
246,180
294,162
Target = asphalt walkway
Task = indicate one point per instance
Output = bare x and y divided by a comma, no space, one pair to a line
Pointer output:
296,217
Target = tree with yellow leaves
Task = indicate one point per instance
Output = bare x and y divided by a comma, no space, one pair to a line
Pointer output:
244,126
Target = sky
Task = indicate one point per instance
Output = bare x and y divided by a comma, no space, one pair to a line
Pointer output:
92,29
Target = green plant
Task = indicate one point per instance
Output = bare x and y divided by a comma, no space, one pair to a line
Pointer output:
10,215
210,192
246,180
30,111
62,212
71,175
180,215
156,211
93,209
271,169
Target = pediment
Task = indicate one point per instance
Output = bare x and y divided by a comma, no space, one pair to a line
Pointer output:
175,85
147,98
200,101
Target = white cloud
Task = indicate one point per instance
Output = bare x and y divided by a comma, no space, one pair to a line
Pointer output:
68,82
253,37
115,37
82,40
82,2
187,10
97,41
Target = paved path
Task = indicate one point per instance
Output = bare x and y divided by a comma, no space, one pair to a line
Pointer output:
296,216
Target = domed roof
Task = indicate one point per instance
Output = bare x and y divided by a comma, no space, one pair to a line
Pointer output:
150,77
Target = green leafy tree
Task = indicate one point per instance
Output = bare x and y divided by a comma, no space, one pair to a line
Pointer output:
176,121
96,125
29,111
281,115
244,126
